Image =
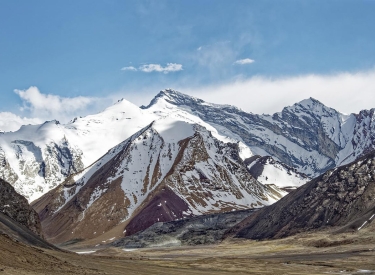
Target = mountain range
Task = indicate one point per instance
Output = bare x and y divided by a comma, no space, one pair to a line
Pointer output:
126,168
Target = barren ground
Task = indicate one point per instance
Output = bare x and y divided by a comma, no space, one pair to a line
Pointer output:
318,253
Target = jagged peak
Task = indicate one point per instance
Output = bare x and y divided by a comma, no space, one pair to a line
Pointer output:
177,98
172,92
308,102
310,99
366,113
46,124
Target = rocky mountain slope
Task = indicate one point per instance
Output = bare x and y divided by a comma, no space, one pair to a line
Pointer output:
19,223
18,209
169,170
19,233
342,198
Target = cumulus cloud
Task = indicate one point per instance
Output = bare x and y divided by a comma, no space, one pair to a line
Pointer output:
49,106
171,67
12,122
244,61
346,92
34,100
130,68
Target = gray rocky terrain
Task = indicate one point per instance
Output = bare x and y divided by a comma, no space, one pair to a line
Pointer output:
205,229
342,198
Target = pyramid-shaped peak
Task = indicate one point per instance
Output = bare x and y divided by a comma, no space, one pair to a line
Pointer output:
122,105
311,104
310,100
172,96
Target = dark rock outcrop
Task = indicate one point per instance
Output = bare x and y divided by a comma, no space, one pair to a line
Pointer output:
205,229
342,198
16,207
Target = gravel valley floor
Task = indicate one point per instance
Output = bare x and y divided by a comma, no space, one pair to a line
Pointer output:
318,253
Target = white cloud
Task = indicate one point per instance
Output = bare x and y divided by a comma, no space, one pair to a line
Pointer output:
130,68
346,92
244,61
171,67
12,122
48,106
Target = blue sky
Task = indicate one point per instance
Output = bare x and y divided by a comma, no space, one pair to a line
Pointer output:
77,49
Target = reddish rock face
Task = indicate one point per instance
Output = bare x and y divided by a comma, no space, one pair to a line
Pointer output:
165,206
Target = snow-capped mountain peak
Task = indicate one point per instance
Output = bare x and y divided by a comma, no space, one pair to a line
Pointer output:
307,136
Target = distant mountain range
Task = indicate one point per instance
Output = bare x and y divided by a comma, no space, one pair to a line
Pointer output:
129,167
